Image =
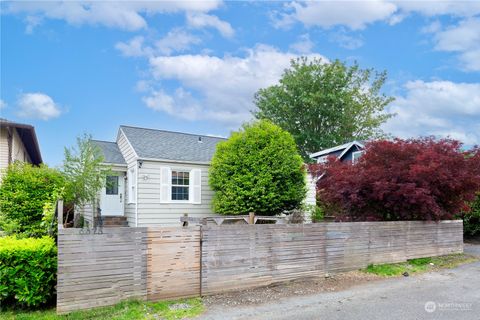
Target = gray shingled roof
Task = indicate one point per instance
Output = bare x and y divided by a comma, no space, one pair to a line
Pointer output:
169,145
111,152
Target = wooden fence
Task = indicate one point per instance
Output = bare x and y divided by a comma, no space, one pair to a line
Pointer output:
100,269
165,263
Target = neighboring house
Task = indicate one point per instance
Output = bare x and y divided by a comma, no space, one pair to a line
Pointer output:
348,152
18,142
158,176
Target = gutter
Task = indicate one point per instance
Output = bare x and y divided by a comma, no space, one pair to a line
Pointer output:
174,161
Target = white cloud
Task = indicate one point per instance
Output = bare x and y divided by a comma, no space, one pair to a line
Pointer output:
357,15
346,41
463,38
432,8
439,108
202,20
3,104
433,27
127,15
177,40
134,47
303,45
217,88
326,14
38,106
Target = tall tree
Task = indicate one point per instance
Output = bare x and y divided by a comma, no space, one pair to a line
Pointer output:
325,104
84,171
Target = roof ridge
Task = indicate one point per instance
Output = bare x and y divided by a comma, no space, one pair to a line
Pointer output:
103,141
171,131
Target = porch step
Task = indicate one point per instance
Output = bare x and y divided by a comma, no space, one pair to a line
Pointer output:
115,221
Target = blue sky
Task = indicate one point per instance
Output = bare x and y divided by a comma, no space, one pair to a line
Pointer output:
70,68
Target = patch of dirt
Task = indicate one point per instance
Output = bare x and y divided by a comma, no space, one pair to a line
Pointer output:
329,283
472,240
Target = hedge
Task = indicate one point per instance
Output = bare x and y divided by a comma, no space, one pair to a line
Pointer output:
28,269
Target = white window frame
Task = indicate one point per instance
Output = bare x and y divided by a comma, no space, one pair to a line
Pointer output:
132,185
322,159
194,185
189,186
354,160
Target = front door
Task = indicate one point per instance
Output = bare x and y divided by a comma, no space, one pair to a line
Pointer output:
112,198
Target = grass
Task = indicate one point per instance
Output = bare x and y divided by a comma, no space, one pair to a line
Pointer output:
420,265
128,310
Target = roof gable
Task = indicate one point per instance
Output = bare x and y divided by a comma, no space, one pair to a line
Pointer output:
28,136
110,151
341,150
168,145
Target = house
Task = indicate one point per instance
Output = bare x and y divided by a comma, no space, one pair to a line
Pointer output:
348,152
157,177
18,142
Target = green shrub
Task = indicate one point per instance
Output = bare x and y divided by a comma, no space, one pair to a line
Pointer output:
471,220
258,169
316,213
24,192
28,269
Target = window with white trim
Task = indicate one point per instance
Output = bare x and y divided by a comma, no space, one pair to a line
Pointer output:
322,159
180,185
132,185
356,155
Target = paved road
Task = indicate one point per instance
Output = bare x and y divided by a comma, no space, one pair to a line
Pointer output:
448,294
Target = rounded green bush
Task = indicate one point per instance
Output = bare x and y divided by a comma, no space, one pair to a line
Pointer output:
258,169
28,269
24,191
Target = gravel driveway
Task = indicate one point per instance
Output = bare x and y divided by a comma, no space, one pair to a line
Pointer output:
447,294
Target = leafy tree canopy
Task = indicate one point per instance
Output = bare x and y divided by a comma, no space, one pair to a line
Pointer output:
258,169
418,179
84,171
325,104
24,192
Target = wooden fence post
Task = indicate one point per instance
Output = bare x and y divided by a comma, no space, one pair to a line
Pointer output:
251,219
60,212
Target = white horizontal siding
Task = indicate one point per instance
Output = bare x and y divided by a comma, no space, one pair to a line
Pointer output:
131,159
152,212
311,190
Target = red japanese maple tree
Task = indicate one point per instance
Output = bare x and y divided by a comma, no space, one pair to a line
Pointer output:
417,179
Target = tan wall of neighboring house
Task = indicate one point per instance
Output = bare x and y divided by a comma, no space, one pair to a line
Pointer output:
19,152
3,148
